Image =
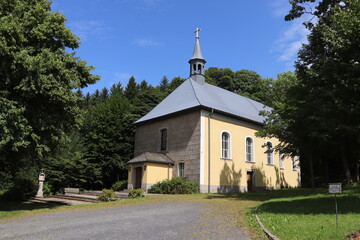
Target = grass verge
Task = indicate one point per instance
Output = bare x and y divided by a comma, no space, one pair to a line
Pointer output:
312,216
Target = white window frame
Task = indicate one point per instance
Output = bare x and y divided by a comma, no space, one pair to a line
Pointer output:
252,157
181,170
281,160
229,145
271,156
294,163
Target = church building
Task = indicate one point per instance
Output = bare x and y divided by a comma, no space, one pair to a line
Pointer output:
206,134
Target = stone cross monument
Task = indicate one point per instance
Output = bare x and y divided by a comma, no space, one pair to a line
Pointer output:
40,193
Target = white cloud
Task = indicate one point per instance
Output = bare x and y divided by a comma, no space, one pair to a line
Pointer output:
290,41
86,29
146,42
280,7
122,77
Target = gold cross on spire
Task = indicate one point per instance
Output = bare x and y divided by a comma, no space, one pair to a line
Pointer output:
197,32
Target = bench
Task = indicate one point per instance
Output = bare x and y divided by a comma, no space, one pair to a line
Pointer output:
72,190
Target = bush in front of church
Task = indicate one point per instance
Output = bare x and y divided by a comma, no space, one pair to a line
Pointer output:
177,185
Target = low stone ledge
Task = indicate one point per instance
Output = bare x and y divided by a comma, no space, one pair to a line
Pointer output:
267,232
71,191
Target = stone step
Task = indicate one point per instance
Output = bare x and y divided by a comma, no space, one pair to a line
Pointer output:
122,194
54,200
78,197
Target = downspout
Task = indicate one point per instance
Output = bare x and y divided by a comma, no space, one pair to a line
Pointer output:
168,171
209,151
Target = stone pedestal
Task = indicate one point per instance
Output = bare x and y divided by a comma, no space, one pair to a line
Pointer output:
40,193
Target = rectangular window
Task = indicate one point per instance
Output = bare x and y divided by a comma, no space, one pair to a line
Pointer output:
181,169
163,146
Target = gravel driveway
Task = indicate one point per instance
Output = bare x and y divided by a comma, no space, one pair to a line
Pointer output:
160,220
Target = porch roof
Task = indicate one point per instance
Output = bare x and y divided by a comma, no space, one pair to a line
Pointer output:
152,158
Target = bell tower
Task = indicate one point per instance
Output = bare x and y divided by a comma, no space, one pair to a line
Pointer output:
197,62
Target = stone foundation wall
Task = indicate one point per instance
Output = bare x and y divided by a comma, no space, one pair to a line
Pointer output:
183,141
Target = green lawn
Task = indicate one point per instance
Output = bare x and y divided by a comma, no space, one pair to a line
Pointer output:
312,216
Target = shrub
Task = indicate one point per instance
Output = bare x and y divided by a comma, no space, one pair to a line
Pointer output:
177,185
135,193
47,189
119,185
25,186
107,195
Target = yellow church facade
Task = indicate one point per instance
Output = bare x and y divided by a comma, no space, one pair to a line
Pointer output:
207,135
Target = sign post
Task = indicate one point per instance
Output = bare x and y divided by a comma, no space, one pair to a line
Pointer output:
335,188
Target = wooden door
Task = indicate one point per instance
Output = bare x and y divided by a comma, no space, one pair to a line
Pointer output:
249,181
138,177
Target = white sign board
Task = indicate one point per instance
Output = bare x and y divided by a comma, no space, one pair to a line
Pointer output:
335,188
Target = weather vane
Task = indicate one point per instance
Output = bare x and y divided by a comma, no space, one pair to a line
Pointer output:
197,32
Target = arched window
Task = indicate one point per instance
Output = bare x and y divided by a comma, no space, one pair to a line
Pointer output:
194,66
181,169
249,150
281,160
163,143
269,153
225,145
294,165
199,68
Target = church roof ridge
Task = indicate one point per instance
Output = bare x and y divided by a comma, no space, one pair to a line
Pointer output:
191,94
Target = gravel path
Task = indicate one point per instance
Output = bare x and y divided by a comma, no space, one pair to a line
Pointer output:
161,220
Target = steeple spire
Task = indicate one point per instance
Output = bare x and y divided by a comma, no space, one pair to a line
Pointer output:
197,61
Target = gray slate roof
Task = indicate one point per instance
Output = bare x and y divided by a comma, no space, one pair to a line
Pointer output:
191,94
151,157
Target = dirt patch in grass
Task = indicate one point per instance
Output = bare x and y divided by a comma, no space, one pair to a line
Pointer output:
355,235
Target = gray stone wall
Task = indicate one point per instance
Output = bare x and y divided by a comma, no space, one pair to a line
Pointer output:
183,141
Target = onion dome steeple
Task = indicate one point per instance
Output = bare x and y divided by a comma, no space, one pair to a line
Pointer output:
197,62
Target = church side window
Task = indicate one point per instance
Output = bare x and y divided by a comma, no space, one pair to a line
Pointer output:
269,153
163,143
225,145
249,150
281,161
181,169
294,165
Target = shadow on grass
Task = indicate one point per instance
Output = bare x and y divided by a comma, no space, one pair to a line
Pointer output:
7,206
267,195
313,205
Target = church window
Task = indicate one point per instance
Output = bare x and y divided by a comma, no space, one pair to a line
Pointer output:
194,66
269,153
163,143
225,145
199,68
294,165
181,169
281,161
249,150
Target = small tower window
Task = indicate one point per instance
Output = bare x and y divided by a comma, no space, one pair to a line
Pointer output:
163,144
181,169
194,66
199,68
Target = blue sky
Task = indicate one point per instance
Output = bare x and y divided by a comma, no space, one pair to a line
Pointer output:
152,38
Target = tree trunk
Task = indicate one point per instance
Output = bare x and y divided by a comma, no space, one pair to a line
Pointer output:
346,169
326,170
312,177
358,171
